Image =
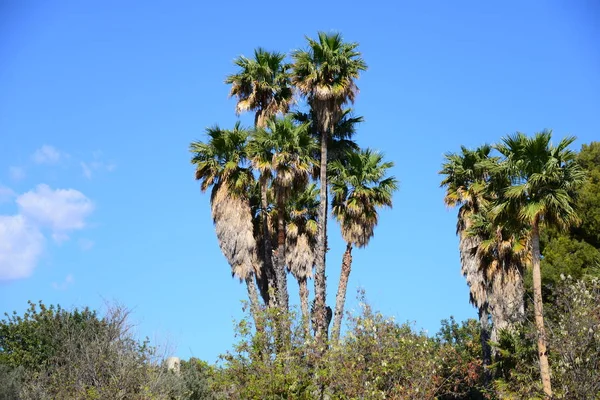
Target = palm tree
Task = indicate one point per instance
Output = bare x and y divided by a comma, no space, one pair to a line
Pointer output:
502,256
301,233
291,147
465,182
262,85
325,74
359,186
544,179
221,163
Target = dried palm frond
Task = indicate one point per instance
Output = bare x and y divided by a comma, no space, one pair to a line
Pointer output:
233,224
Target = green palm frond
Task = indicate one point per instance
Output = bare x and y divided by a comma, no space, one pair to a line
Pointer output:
544,180
262,84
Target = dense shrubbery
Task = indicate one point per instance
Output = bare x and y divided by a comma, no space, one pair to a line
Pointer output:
51,353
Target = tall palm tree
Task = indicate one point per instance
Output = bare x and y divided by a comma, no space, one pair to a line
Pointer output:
221,163
262,85
301,234
359,186
325,74
291,147
544,180
465,182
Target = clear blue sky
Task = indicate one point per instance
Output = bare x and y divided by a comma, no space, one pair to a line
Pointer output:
100,100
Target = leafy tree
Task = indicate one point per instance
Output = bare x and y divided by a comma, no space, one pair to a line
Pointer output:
359,187
544,178
78,355
325,74
577,252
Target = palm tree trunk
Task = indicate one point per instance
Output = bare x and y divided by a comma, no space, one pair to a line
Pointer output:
320,278
282,293
506,300
269,276
539,310
340,298
254,302
485,344
303,291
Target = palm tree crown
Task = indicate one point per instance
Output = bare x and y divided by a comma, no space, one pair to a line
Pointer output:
262,84
325,73
359,186
544,179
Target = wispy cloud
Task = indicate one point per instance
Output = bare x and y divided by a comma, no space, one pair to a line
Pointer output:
47,155
69,280
87,170
16,173
97,165
22,240
85,244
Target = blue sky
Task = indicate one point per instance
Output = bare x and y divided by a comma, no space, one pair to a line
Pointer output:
100,100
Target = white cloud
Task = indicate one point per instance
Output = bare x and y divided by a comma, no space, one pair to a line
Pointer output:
16,173
46,155
69,280
6,194
21,245
60,210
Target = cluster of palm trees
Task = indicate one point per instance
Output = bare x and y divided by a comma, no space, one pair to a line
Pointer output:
504,200
269,183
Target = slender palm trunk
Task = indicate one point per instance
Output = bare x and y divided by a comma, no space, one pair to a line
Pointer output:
320,278
254,302
303,291
269,276
539,311
340,298
282,293
485,344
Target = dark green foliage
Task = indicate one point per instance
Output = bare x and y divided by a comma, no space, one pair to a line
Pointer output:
573,319
52,353
11,380
577,252
196,376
